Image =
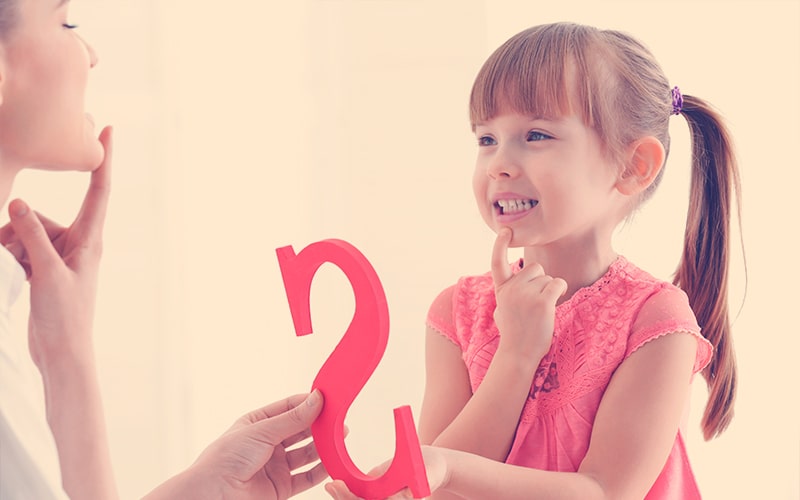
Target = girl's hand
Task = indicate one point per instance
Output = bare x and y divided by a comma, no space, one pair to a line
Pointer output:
435,467
526,303
62,266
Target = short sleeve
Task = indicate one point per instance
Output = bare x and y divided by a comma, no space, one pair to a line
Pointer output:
440,314
667,311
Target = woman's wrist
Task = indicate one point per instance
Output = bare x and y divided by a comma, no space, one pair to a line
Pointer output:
190,483
61,349
67,378
71,383
64,364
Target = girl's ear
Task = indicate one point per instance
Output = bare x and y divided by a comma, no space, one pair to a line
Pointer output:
645,159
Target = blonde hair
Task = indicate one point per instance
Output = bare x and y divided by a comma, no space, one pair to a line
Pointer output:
620,91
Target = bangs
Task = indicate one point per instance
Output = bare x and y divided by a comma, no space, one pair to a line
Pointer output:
531,74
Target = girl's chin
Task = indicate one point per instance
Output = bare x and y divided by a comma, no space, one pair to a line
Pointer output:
521,241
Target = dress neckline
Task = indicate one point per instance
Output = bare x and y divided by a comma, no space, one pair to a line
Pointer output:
590,290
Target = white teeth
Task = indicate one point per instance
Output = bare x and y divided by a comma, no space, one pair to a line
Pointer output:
511,206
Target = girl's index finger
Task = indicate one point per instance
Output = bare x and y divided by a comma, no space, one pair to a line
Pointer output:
92,214
501,271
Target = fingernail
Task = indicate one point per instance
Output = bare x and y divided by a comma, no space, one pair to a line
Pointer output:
521,262
18,208
314,398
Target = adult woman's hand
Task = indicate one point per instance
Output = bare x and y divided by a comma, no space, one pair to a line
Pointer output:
256,458
62,266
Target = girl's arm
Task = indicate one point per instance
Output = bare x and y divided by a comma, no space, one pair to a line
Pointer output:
485,422
633,434
447,386
452,416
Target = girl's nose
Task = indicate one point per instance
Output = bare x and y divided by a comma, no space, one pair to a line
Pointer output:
502,165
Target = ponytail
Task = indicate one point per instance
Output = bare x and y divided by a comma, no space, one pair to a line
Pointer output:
703,269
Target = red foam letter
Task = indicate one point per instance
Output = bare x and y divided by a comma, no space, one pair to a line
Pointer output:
349,366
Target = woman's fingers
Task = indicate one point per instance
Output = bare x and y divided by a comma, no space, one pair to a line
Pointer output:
305,480
89,223
304,455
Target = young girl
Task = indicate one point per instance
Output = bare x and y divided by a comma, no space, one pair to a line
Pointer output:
570,370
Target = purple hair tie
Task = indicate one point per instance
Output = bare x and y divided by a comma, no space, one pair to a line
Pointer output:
677,101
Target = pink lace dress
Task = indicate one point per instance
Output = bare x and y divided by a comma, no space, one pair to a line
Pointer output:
595,331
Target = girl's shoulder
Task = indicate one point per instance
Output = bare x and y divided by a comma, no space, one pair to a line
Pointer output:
630,300
661,309
651,293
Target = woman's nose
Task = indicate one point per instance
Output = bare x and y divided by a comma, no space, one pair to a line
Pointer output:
93,59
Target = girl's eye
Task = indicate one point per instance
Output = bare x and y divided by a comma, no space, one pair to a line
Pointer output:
536,136
69,26
486,140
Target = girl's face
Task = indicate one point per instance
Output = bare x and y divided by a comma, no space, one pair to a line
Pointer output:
44,68
548,180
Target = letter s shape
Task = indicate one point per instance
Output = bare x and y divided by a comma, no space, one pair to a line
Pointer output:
349,366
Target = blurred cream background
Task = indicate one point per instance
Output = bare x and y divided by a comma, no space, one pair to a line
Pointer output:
244,126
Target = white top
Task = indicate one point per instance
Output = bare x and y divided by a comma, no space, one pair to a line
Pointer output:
28,458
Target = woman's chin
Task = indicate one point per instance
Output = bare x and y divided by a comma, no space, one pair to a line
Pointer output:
93,150
85,159
88,161
97,158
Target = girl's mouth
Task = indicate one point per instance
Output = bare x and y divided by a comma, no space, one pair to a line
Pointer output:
508,207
